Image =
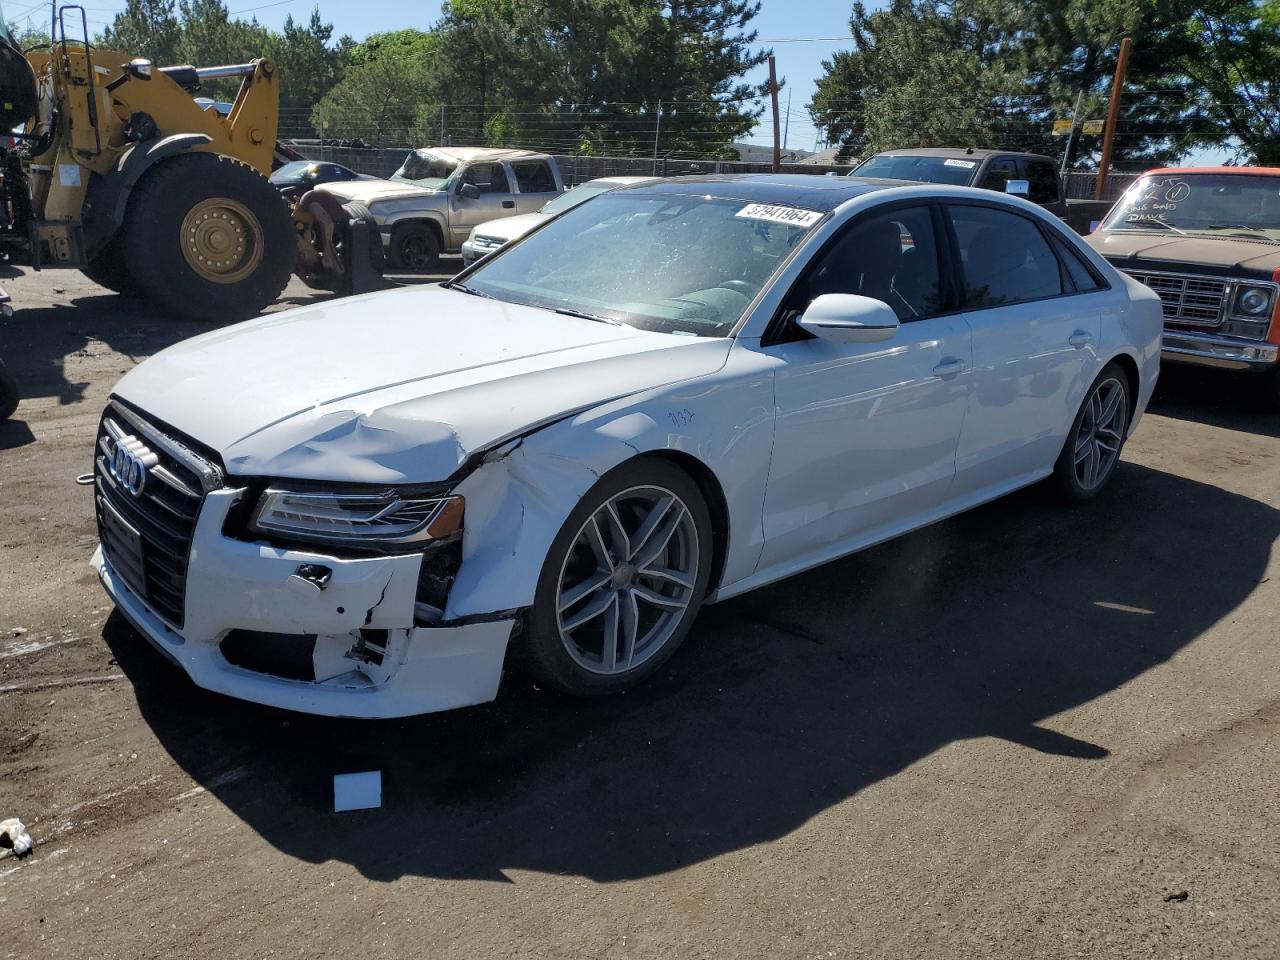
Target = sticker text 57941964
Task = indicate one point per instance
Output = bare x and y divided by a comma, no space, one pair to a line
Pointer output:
792,216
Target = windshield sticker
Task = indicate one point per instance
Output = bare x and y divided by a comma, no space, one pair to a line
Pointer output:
791,216
963,164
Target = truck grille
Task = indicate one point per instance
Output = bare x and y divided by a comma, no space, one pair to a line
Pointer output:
148,491
1187,299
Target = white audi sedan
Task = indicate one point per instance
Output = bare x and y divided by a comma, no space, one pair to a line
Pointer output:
665,397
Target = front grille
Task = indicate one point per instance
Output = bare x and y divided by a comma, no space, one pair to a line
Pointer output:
489,243
147,516
1198,301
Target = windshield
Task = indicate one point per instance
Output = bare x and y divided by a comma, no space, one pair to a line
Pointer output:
674,264
921,169
567,201
290,171
1227,204
425,169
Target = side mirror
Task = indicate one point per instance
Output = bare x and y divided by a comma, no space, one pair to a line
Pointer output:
1019,188
849,318
469,191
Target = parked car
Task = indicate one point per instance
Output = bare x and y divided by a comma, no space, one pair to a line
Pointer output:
297,177
1207,240
1024,174
670,395
488,237
438,195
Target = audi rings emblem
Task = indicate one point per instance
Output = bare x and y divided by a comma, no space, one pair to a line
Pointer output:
130,459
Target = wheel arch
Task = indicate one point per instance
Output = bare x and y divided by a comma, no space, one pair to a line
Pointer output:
713,494
108,194
1133,374
432,223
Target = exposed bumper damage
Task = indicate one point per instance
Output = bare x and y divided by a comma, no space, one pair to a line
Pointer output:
368,656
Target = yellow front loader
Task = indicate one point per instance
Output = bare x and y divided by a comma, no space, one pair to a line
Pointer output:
119,172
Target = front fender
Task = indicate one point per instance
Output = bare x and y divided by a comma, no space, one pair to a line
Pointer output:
521,494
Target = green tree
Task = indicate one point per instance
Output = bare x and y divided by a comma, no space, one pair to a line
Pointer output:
310,66
382,92
145,28
1230,64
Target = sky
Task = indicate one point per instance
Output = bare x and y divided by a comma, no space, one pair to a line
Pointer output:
799,31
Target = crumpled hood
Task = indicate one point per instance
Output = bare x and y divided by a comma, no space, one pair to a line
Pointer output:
1225,255
508,228
399,386
369,191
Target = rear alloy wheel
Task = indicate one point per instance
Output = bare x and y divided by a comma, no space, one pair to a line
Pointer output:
623,581
415,248
1097,436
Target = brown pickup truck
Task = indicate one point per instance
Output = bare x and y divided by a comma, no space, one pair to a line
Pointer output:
1207,240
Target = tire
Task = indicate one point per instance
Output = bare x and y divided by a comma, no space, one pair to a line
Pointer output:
1270,399
578,665
8,394
1091,452
225,206
414,248
110,269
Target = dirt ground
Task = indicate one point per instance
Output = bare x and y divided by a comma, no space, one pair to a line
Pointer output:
1027,732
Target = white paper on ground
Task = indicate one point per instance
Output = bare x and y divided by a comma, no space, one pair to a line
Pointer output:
357,791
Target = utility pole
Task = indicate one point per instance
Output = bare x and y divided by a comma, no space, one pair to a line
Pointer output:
773,95
657,132
442,143
1071,137
1113,116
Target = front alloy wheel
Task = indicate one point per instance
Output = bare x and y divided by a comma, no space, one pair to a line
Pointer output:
627,580
622,582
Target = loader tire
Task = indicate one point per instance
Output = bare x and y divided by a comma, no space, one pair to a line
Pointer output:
110,269
8,394
208,238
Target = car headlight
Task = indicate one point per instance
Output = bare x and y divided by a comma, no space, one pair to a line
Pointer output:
357,518
1252,301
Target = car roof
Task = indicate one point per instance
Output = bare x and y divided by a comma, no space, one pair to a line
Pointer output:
809,192
465,154
957,153
1267,171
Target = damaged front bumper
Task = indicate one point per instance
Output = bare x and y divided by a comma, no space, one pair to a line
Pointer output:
368,657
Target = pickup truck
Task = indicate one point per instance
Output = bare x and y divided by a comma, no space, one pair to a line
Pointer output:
1207,240
430,205
1026,174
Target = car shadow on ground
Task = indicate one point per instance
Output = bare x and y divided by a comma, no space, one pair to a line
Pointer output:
1216,398
785,701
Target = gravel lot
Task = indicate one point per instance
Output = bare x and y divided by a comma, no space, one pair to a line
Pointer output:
1030,731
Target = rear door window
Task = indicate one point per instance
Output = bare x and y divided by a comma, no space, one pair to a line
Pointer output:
534,176
1004,257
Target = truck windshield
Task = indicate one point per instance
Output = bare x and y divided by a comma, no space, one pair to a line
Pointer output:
1221,204
957,172
425,169
674,264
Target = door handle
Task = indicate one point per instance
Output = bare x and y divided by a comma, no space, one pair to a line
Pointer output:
508,204
1081,338
949,367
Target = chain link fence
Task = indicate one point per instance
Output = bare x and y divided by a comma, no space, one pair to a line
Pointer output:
384,161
